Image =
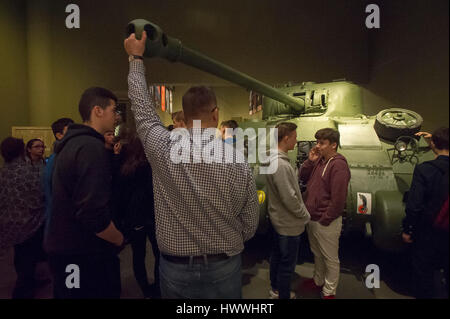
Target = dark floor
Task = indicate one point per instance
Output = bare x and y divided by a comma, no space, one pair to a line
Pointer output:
356,253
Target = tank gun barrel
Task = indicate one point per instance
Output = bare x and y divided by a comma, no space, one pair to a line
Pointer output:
160,45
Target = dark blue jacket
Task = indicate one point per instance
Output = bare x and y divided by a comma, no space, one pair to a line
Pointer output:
48,185
425,196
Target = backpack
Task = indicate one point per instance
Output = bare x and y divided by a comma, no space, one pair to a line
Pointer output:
440,218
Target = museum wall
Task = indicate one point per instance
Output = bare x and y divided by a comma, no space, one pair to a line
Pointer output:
13,67
409,60
254,37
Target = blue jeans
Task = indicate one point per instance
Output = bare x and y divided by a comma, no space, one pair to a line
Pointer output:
282,263
218,280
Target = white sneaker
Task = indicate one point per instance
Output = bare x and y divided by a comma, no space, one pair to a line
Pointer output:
273,294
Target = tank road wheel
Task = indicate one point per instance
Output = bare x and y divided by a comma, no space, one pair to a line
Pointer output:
393,123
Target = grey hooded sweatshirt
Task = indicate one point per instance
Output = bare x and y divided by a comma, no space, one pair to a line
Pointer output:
287,211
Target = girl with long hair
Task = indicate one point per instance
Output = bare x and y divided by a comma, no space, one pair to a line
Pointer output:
135,211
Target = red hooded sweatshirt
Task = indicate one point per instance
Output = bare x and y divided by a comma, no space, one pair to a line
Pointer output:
326,190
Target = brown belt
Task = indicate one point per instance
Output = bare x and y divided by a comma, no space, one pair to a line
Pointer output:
195,259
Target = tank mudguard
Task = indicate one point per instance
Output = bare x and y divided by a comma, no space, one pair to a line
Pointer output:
387,221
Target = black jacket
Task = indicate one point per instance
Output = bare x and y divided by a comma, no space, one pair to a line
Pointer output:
81,194
425,196
133,197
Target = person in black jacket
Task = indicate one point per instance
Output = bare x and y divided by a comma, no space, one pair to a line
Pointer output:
81,239
133,187
428,192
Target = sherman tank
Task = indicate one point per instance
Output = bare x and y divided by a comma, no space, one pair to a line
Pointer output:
381,150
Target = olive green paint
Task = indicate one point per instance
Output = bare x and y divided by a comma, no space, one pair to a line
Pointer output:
13,67
39,62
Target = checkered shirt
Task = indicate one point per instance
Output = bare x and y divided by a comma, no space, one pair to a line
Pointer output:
200,208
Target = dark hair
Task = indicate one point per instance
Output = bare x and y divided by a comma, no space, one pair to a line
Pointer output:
178,116
284,129
330,134
92,97
30,144
170,127
59,125
116,139
440,138
231,124
197,101
133,156
12,148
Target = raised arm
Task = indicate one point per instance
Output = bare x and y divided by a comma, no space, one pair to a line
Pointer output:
151,131
308,166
